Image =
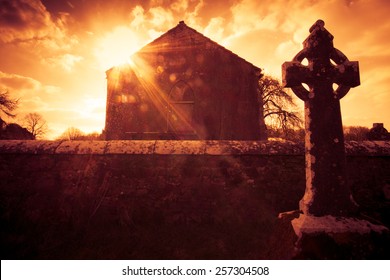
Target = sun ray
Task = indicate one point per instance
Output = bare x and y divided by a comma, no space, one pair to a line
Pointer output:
145,74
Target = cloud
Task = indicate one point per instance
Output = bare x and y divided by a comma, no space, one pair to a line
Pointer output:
263,48
22,21
287,49
17,82
66,61
30,28
31,93
215,29
160,17
180,5
138,15
250,15
163,15
193,16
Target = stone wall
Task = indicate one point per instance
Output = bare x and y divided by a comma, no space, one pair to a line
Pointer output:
166,199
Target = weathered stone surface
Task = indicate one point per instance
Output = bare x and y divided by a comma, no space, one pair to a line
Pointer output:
143,206
144,147
29,146
353,148
180,147
327,191
328,237
311,224
159,206
253,148
81,147
219,148
369,148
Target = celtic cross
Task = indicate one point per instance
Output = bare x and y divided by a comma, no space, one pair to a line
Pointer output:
327,191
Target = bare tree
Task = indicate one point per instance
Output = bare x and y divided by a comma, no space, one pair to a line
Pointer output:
91,136
71,133
7,106
35,124
356,133
279,108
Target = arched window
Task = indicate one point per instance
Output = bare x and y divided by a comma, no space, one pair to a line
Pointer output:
181,108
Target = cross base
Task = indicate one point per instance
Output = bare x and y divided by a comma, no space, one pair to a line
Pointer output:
330,237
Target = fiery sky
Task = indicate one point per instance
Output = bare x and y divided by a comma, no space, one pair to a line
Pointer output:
54,53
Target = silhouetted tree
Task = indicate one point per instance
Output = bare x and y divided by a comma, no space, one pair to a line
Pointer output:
295,135
71,133
91,136
7,106
35,124
279,109
356,133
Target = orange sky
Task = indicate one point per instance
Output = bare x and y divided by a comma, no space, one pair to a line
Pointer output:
54,53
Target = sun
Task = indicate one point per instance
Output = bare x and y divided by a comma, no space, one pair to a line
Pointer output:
116,47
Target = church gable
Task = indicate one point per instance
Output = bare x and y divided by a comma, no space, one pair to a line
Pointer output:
183,86
183,37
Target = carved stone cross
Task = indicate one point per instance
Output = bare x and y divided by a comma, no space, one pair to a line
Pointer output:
327,192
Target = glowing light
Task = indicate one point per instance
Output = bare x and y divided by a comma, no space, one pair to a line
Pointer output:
172,77
144,108
160,69
116,48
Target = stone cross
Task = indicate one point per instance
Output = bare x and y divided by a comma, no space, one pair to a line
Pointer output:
327,191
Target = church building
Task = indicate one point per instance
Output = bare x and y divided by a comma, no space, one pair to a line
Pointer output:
184,86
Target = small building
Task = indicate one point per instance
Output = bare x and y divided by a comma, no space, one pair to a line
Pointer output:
13,131
184,86
378,132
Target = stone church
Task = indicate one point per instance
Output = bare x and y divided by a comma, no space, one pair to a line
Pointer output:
184,86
